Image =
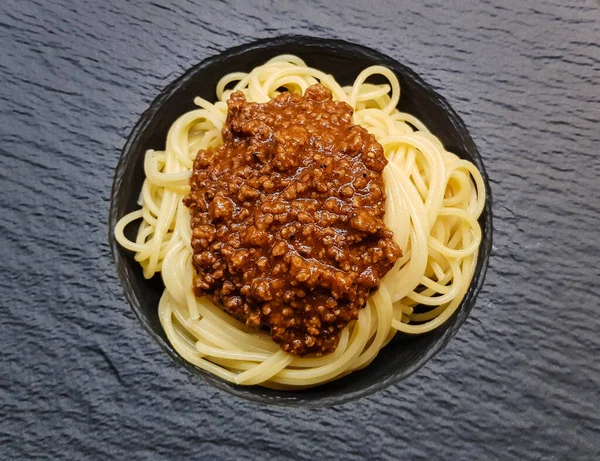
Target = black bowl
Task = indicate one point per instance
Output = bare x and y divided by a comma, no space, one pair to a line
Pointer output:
405,354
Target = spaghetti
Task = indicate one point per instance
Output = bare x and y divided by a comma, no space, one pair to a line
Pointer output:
434,199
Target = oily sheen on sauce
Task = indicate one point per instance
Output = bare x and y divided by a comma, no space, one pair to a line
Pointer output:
287,218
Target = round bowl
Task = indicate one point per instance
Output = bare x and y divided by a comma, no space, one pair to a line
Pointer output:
405,354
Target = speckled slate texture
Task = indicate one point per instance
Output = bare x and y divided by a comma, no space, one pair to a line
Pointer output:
80,379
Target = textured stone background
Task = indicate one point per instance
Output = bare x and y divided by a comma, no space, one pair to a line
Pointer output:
80,379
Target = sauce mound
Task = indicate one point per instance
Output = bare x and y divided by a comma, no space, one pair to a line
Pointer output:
287,218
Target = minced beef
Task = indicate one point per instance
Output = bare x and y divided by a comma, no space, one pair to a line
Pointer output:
287,218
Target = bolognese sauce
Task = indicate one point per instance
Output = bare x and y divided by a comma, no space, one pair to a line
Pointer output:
287,218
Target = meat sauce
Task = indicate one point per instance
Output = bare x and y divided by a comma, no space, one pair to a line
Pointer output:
287,218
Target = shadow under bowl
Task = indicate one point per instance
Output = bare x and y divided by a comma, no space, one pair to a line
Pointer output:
405,354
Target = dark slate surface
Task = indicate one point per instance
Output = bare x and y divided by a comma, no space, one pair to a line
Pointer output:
79,379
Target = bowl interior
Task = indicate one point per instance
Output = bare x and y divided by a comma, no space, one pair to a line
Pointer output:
405,354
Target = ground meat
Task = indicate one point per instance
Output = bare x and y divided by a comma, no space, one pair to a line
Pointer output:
287,218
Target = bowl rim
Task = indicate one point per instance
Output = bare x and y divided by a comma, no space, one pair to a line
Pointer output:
462,311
